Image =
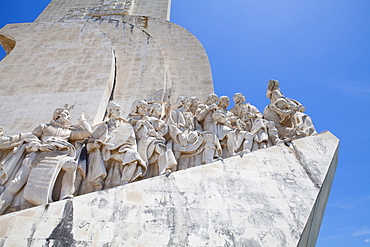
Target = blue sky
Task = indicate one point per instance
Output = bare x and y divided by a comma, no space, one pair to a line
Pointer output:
320,53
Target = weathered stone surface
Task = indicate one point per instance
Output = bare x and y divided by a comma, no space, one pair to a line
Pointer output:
265,198
57,10
87,61
53,64
185,60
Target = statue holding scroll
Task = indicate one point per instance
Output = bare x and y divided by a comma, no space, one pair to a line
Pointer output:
51,152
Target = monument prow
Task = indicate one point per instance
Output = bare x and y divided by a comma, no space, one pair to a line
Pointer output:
270,197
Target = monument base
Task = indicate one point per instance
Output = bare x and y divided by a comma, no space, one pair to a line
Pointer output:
270,197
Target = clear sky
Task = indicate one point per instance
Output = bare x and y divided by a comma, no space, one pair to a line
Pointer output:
319,50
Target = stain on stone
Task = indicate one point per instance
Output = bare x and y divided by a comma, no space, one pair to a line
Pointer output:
62,234
304,164
131,28
30,239
230,241
262,218
144,21
83,243
34,228
134,196
248,242
103,203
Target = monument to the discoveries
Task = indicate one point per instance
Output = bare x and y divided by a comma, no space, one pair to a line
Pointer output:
119,176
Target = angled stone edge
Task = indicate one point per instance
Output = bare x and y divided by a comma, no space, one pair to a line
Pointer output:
270,197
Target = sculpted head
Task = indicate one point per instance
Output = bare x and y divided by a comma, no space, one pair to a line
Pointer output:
224,101
155,110
239,98
113,109
211,99
272,85
194,101
140,107
187,103
61,115
180,101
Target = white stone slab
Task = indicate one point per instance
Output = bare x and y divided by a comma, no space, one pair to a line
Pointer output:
266,198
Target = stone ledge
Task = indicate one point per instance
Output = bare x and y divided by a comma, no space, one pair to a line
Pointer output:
265,198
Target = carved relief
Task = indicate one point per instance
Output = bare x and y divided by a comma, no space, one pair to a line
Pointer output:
150,142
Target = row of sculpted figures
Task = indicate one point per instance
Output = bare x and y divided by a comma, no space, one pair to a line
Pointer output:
60,160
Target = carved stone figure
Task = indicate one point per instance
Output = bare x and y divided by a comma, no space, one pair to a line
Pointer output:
47,156
191,146
252,118
287,114
150,132
205,111
233,140
12,152
115,139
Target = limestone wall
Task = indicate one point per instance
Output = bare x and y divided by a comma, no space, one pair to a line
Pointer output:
75,53
53,64
57,9
186,62
264,198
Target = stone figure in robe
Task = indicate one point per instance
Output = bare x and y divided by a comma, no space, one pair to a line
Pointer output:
48,154
233,140
113,152
150,131
287,114
253,120
191,146
12,152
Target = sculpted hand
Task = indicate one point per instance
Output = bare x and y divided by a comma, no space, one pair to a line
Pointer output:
82,118
146,118
228,124
213,107
47,148
96,145
193,137
152,133
183,140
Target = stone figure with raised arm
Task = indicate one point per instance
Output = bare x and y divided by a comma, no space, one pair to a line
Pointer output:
287,114
48,154
115,150
150,131
191,146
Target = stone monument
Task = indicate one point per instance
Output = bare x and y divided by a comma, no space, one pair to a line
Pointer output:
155,158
